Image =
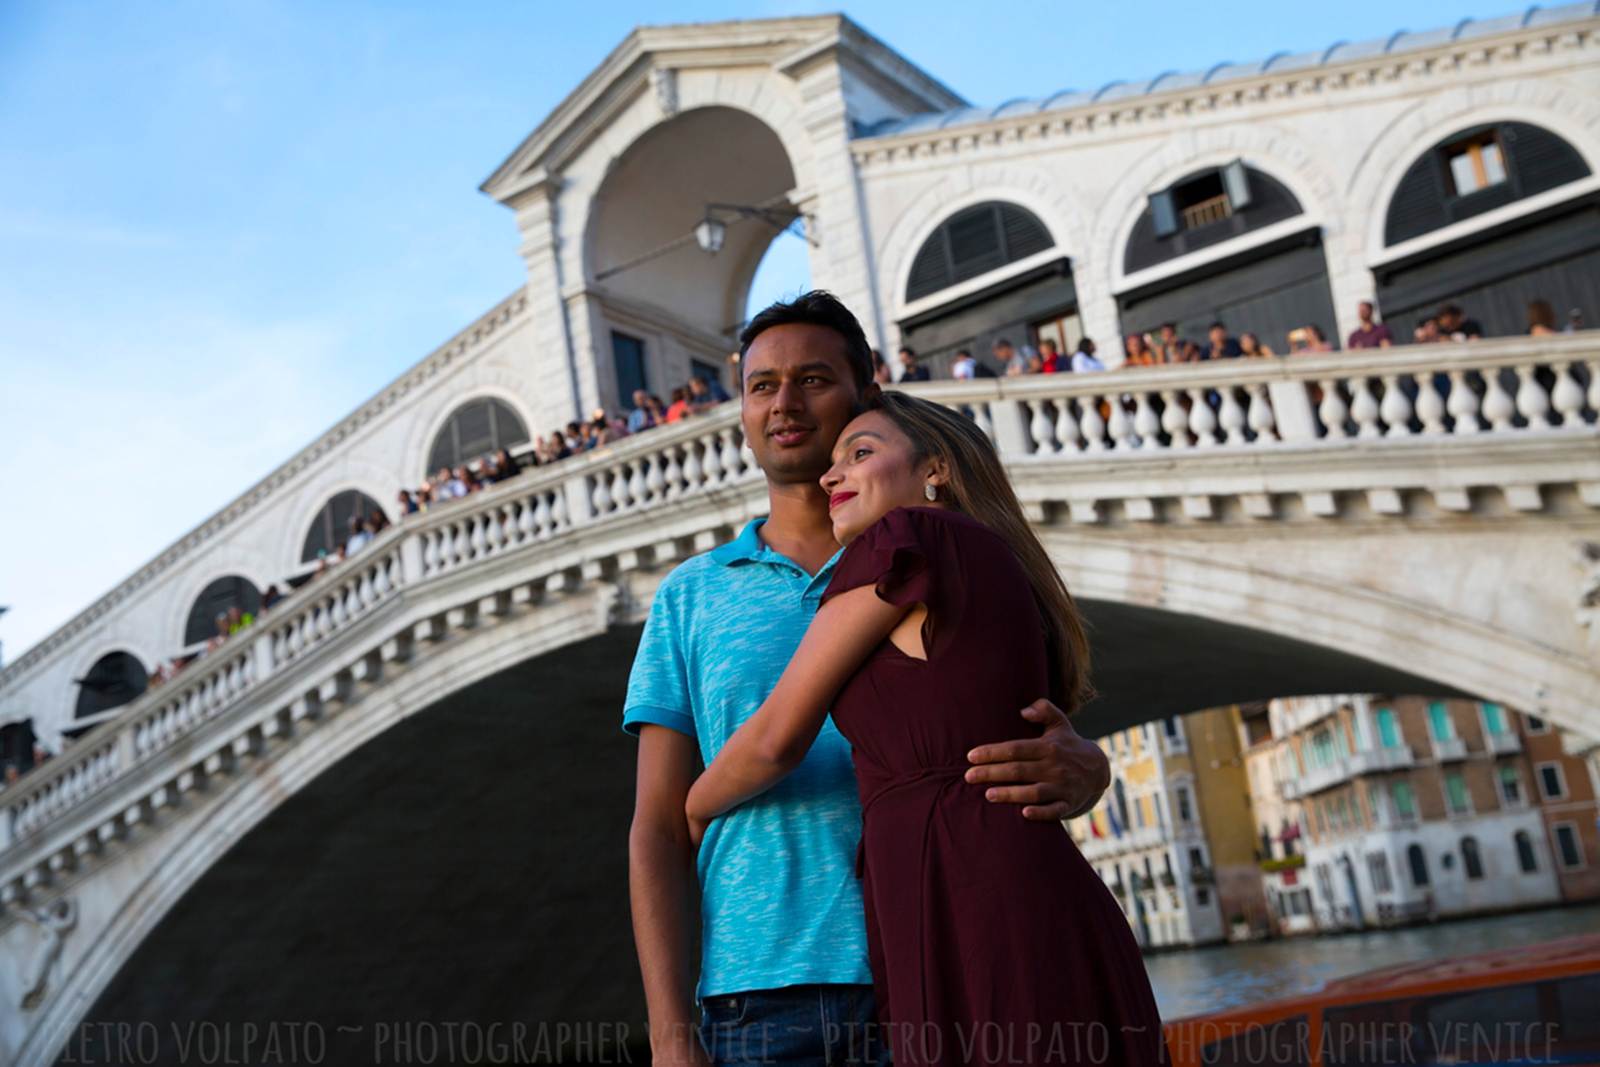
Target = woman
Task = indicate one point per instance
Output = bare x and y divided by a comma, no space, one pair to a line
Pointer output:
1136,351
943,613
1250,347
1541,318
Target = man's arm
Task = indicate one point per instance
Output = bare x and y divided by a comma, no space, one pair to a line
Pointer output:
1059,775
662,888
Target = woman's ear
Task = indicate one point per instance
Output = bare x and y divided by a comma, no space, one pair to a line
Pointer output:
938,472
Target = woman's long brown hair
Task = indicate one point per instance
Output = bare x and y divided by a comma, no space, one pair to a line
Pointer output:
980,488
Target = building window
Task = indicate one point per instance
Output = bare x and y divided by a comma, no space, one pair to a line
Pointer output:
1417,860
699,368
115,679
1568,848
1378,867
1525,857
1185,814
1552,782
1455,793
1470,858
1405,800
1439,721
627,356
1388,729
1510,787
1475,163
474,429
1202,896
1161,812
974,241
216,599
1535,724
1494,718
331,526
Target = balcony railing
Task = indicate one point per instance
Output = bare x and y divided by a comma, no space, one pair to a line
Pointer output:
1133,840
1345,768
1504,743
1206,212
1538,388
1448,749
1283,863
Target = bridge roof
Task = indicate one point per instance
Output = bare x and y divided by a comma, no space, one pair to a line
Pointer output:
1398,43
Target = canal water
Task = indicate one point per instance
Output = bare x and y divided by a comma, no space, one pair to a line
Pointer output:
1196,981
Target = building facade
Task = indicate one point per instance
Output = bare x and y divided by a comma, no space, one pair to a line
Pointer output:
1378,810
1171,836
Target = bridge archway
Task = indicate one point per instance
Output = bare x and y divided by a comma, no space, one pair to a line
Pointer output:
665,308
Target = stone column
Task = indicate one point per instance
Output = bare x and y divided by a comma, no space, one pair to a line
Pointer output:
557,360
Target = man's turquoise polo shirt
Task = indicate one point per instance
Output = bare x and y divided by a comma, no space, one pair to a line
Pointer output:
779,900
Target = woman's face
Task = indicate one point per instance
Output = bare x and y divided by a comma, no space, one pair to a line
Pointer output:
873,473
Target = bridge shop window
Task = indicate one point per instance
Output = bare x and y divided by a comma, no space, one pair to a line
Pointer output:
115,679
975,241
1495,270
1024,307
331,526
215,599
474,428
1475,170
1206,208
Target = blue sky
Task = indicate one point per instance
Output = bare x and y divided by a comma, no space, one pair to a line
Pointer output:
225,224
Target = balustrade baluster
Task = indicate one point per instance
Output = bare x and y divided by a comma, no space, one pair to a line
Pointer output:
1202,421
1396,407
1462,404
638,491
1068,435
1119,427
619,488
731,462
1174,419
1044,443
476,541
600,493
1430,405
1498,406
980,415
543,522
1259,417
1364,408
1567,397
558,510
498,524
674,474
1594,386
1091,423
1532,401
693,473
712,461
1231,416
1145,423
1332,411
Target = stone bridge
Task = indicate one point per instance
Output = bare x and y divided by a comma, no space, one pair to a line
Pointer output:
404,795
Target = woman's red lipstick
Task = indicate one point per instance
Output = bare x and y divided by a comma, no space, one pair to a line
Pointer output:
839,498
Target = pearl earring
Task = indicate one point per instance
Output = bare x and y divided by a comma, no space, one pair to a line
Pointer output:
930,491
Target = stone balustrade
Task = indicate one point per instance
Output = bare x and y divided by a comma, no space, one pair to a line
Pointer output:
1534,388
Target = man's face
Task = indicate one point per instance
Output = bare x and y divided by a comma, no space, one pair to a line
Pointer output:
1364,311
906,358
1168,334
1004,353
1218,335
798,393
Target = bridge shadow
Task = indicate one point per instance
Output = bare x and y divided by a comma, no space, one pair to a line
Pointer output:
469,866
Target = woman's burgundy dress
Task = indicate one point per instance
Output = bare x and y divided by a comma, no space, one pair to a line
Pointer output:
991,938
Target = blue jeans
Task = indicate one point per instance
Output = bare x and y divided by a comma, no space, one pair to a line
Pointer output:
814,1025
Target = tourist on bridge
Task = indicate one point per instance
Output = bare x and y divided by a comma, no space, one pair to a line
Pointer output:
785,970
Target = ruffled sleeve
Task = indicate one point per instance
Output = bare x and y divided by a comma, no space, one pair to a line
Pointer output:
910,556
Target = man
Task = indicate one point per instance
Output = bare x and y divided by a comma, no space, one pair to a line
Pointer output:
910,371
1084,358
1171,347
964,367
1455,326
1369,334
1011,362
704,395
783,943
1222,346
641,417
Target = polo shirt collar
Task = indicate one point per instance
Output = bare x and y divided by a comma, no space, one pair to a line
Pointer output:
748,547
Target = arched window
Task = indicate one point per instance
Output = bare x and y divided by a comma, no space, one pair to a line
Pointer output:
476,427
974,241
1418,862
1476,170
114,680
1525,857
1205,208
1471,860
331,527
222,594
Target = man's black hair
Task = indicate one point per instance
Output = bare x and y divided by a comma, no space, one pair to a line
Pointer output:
907,350
816,308
960,352
1000,342
1218,325
1168,326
